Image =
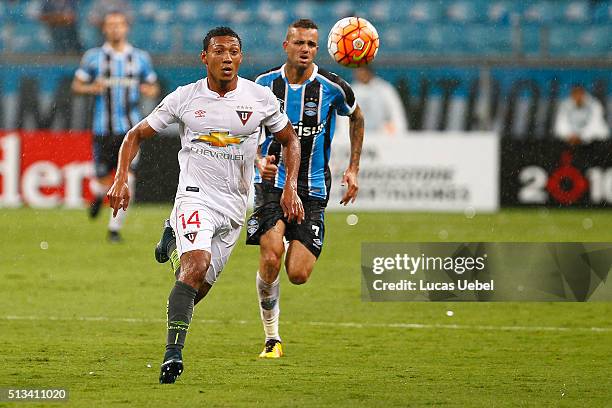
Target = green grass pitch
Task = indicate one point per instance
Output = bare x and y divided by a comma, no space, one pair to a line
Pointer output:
90,316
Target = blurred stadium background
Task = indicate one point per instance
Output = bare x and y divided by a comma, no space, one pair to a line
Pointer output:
459,65
479,80
537,28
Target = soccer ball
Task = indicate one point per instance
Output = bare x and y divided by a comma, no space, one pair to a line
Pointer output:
353,42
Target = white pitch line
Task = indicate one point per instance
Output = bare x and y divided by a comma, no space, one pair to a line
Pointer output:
325,324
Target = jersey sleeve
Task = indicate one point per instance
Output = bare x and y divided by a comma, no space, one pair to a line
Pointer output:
87,68
275,120
147,74
344,101
165,113
263,80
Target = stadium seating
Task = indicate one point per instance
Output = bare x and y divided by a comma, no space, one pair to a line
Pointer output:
585,41
530,36
29,37
561,28
22,11
90,36
543,12
157,38
156,11
465,12
489,39
577,12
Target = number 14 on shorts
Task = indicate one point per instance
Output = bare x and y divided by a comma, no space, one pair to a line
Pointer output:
194,219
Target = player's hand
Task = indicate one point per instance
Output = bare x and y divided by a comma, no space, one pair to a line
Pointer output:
97,87
148,90
119,196
266,167
349,179
292,205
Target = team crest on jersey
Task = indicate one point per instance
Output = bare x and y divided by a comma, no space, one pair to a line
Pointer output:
310,108
191,236
244,116
199,113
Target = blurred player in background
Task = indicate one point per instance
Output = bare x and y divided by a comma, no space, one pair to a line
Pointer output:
220,119
117,74
312,97
580,118
380,103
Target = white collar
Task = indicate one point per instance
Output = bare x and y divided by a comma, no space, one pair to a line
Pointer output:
109,49
209,91
310,79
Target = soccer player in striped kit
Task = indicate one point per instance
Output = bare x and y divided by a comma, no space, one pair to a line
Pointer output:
312,97
117,74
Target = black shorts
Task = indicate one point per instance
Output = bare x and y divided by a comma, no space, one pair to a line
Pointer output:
106,154
268,211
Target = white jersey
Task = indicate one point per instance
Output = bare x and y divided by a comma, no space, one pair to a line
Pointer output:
219,137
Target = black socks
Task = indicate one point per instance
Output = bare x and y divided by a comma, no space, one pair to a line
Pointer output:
180,311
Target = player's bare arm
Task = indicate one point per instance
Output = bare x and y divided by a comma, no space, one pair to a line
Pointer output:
149,90
119,193
84,88
349,178
290,201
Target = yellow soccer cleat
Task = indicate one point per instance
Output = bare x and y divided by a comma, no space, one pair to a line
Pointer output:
272,349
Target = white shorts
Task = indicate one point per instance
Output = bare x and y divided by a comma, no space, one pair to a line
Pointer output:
197,227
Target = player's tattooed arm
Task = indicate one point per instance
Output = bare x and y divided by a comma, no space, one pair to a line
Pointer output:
119,193
290,201
349,179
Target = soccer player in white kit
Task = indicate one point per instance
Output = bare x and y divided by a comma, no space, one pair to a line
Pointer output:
220,118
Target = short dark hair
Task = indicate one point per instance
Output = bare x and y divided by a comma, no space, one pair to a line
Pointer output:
304,23
114,12
220,32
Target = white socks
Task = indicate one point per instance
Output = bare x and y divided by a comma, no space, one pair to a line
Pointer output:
268,305
97,189
115,223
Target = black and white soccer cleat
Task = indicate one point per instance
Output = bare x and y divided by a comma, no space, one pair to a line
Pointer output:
171,368
161,249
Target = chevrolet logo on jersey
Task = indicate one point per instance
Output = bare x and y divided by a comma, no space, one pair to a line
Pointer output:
219,139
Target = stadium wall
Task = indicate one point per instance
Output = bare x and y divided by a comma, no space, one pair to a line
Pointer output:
553,174
449,172
514,99
517,102
453,172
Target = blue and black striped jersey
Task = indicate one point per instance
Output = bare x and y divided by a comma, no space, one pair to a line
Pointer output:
116,110
311,108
